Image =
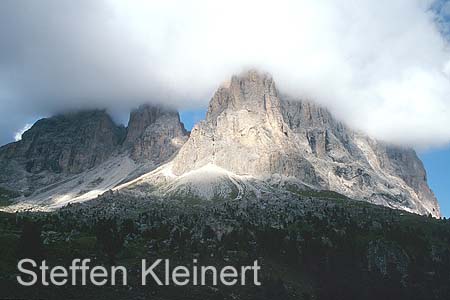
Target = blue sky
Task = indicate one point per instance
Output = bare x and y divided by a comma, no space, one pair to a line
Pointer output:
436,163
192,117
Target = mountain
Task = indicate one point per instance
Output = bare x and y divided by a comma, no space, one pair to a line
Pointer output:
154,133
77,156
264,178
57,147
254,143
255,140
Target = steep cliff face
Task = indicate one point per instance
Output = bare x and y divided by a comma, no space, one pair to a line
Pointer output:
244,133
77,156
59,146
254,142
253,130
154,133
69,143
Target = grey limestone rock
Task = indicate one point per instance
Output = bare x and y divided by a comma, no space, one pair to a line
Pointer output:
58,147
254,141
251,129
154,133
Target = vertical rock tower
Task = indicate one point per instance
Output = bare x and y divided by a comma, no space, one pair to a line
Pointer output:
251,129
154,133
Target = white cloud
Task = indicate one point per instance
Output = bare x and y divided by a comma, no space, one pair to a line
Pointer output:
382,66
18,134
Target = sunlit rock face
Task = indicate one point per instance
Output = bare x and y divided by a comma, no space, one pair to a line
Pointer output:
244,132
77,156
253,130
255,142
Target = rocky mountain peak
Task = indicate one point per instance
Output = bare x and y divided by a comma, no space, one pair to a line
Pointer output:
154,133
67,143
142,117
64,153
253,91
245,133
58,148
254,140
252,130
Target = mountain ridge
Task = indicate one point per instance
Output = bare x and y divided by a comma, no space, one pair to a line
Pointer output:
250,129
77,156
256,139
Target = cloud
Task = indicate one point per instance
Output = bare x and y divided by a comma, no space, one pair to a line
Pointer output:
18,134
381,66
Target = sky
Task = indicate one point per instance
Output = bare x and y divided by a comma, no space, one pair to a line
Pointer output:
437,163
382,67
192,117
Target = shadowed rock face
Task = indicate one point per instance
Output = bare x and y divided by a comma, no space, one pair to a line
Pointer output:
154,133
69,143
56,149
251,129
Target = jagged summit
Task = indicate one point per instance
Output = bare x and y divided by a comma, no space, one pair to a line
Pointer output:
70,142
254,142
252,91
267,134
244,133
154,133
79,155
252,130
58,147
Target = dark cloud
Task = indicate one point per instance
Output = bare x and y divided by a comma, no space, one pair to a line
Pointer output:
383,66
67,55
